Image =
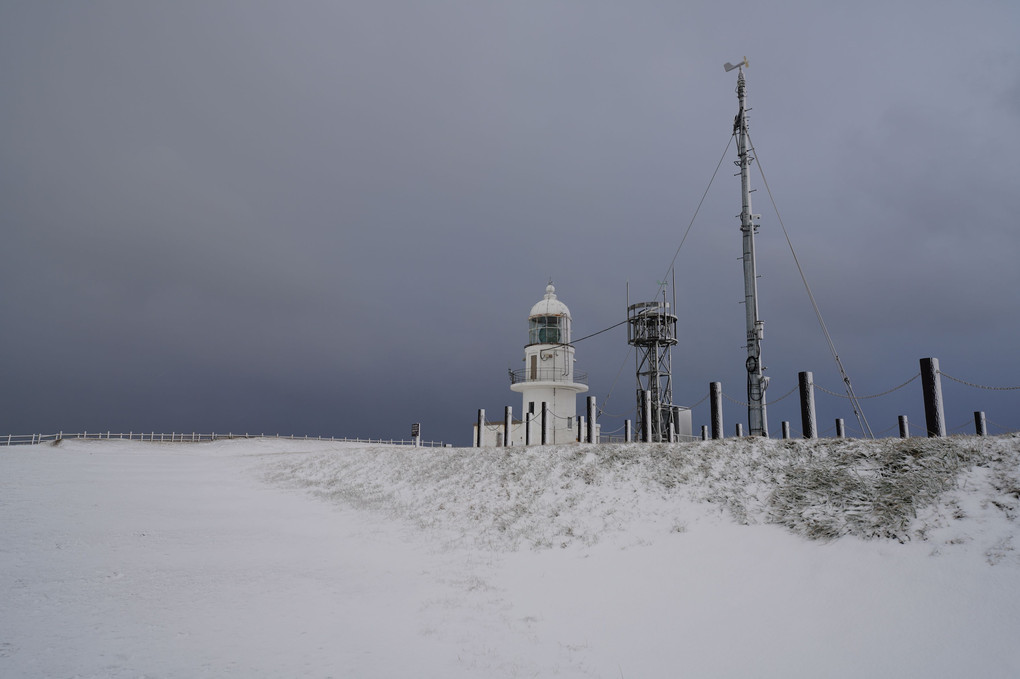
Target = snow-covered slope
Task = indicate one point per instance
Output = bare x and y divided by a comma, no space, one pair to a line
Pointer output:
741,558
509,498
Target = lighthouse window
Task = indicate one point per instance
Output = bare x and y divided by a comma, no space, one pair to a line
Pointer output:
545,330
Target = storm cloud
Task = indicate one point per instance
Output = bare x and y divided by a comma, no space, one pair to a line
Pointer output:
333,218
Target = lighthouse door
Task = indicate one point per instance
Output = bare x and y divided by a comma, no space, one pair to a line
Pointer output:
534,367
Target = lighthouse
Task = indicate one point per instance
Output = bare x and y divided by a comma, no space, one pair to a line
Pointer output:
548,374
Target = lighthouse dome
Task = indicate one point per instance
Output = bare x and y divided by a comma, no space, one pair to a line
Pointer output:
549,305
549,320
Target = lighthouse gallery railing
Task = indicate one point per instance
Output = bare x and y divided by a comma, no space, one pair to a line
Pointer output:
546,375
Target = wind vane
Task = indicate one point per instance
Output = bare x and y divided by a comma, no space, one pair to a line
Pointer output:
729,67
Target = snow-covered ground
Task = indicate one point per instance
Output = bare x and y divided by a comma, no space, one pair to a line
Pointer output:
272,558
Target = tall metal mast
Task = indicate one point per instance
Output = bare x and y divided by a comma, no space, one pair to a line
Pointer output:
757,422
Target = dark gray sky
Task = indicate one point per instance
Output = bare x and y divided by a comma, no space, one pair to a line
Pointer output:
332,218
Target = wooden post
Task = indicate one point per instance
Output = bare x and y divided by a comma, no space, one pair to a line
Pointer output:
809,424
704,432
904,427
786,429
739,430
628,431
508,425
545,423
715,396
480,437
646,416
931,384
580,429
593,432
980,427
840,428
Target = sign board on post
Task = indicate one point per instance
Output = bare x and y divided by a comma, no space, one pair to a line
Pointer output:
416,429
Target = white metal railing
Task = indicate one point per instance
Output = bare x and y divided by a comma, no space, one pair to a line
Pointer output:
546,375
194,437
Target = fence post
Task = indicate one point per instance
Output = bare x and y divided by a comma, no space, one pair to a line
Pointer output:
715,396
980,427
904,427
508,425
840,428
593,431
786,429
931,383
739,430
481,428
704,432
628,431
809,424
581,429
529,416
646,416
545,423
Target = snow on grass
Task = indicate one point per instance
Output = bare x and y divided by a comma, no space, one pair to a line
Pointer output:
731,558
509,498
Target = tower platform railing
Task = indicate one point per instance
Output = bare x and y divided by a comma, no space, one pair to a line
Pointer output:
546,375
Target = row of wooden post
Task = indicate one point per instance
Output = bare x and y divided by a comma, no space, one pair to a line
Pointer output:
931,385
587,430
586,426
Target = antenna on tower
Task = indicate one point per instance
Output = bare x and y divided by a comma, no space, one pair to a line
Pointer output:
757,383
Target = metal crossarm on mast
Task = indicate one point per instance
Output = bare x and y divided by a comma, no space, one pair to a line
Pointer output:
757,420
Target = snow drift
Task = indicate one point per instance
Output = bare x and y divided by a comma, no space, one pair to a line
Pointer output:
508,498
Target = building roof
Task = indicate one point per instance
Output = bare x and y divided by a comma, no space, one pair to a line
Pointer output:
549,305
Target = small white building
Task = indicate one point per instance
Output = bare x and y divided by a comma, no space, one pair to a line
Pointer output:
547,377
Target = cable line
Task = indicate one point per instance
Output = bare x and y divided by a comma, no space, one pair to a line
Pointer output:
861,398
858,411
695,405
733,400
777,400
617,378
676,254
579,339
977,386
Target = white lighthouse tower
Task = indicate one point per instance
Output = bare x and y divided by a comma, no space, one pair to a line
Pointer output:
548,375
